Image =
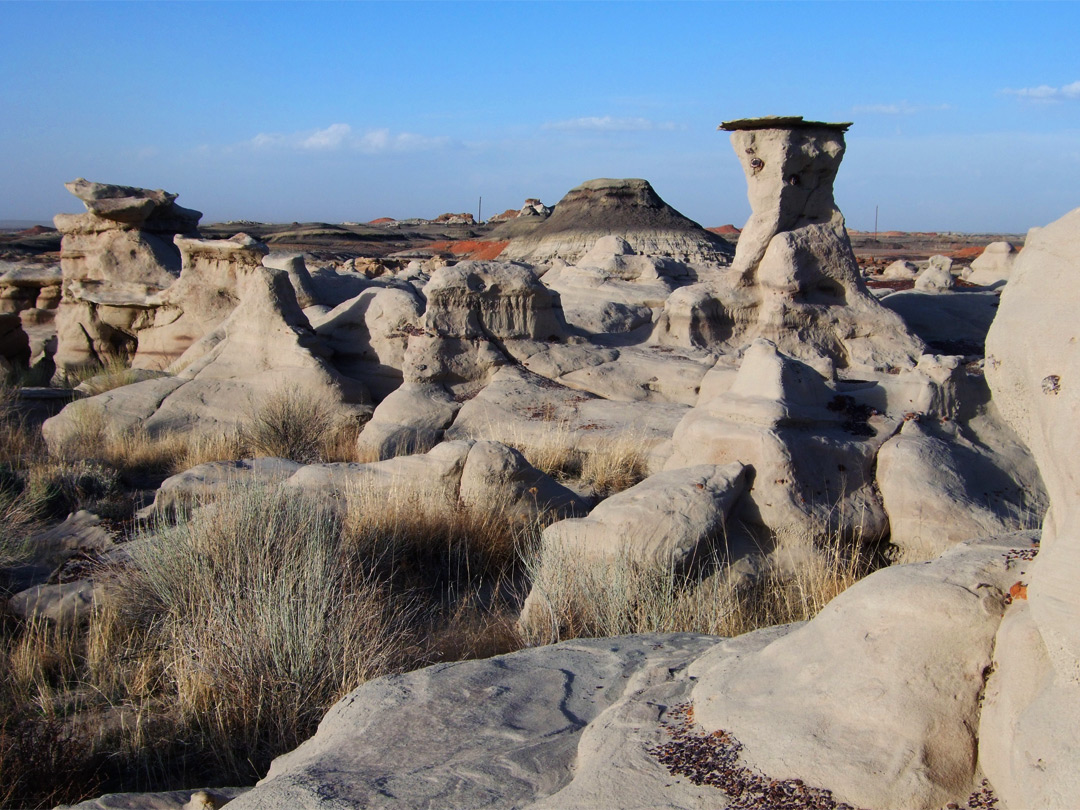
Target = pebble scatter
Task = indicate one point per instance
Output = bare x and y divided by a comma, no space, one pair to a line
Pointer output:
713,759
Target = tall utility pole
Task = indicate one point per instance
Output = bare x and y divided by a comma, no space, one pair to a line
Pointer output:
875,222
479,207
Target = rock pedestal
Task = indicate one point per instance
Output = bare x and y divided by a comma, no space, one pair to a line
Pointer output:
794,280
213,271
114,258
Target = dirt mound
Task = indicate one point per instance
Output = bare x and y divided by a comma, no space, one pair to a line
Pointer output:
725,230
629,208
382,221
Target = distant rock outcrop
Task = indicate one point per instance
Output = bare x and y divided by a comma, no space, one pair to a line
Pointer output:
630,209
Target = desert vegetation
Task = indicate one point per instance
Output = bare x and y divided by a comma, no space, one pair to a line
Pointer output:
228,630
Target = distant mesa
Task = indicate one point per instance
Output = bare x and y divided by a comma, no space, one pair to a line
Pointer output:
630,208
37,230
382,221
725,230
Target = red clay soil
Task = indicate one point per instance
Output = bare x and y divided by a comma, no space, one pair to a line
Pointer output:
37,230
382,221
725,230
471,248
967,253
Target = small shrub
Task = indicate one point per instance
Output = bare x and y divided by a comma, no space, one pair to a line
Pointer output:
258,618
60,487
290,423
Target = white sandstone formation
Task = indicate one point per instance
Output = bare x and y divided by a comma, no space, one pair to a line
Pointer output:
1029,746
369,333
939,490
901,270
115,258
207,292
613,289
794,280
810,448
474,474
629,208
265,345
994,265
877,697
935,277
480,316
669,519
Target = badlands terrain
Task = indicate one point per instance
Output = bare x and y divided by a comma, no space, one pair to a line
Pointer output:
584,506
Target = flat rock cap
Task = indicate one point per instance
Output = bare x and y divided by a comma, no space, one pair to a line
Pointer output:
781,122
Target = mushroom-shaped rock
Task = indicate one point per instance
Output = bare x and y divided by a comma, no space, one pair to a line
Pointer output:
794,279
115,258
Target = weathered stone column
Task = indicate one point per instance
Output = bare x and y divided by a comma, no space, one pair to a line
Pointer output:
114,258
794,281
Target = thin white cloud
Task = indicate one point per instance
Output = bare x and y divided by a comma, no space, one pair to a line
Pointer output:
330,138
608,123
341,137
1047,94
899,108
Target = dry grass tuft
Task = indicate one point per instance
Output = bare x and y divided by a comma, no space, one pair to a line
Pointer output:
99,377
557,450
290,422
598,598
248,619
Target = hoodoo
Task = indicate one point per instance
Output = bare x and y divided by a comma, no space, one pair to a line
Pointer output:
794,280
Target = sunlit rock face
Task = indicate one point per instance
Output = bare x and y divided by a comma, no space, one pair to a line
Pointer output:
115,257
794,280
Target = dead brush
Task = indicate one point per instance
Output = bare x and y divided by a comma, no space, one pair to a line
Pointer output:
248,619
579,597
292,423
407,526
605,466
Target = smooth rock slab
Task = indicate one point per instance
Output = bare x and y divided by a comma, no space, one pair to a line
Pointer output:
876,698
169,800
500,733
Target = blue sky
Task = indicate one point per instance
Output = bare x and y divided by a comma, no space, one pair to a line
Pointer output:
967,115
